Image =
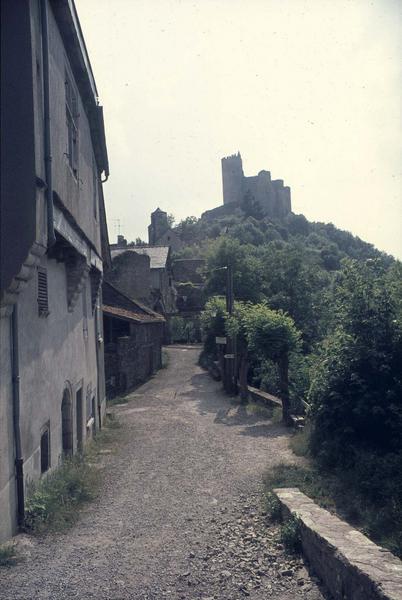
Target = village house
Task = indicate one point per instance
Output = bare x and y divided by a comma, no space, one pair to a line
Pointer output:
133,341
129,275
53,247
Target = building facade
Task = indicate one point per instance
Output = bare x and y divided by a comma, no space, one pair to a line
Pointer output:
53,247
133,341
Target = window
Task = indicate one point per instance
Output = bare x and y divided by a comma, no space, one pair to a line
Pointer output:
45,449
43,301
72,126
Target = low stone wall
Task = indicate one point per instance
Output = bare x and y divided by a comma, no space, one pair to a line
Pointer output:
350,565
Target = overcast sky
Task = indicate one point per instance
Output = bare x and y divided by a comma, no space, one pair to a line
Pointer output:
307,89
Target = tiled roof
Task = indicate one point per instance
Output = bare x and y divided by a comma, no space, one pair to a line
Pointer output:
115,311
115,303
158,254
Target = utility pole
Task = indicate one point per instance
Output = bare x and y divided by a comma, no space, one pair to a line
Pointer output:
230,356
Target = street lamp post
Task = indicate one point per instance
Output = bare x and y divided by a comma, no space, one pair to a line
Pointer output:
230,356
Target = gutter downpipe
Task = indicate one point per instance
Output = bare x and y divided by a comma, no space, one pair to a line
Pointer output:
51,238
19,461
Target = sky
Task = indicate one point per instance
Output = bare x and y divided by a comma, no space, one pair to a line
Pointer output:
310,90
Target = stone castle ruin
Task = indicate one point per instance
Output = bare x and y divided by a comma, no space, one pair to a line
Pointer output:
272,195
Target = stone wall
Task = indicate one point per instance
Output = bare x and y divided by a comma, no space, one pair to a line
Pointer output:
273,196
131,274
132,359
350,565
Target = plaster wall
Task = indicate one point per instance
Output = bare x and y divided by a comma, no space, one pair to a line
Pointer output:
56,352
79,194
7,480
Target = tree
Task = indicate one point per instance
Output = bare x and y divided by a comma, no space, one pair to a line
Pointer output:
356,388
247,269
171,219
264,334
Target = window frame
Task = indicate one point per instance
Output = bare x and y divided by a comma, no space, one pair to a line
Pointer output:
72,125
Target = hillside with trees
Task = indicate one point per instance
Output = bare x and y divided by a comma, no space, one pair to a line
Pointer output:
328,306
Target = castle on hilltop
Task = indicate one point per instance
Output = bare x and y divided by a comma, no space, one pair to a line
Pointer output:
272,196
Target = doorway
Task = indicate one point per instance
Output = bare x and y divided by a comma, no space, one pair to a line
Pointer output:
67,424
79,416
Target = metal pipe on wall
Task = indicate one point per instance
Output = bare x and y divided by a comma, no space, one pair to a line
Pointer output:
19,461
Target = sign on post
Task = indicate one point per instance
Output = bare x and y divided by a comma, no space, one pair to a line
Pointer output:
220,340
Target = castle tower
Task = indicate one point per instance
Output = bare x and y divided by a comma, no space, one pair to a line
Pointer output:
232,178
159,224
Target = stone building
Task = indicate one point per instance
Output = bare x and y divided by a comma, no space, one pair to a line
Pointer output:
133,341
272,196
53,247
162,297
130,272
161,234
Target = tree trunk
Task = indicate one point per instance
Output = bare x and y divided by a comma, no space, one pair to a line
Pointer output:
283,365
243,378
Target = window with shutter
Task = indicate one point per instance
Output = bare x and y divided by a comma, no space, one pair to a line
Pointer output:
43,301
72,126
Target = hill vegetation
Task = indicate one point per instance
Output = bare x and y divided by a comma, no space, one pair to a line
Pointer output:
344,298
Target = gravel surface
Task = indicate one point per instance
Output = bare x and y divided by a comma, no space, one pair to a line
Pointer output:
180,512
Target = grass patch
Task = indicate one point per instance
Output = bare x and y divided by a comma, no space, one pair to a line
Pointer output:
339,493
277,415
53,503
117,400
8,555
264,412
301,440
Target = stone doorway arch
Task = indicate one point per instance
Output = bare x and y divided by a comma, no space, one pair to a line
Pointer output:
67,423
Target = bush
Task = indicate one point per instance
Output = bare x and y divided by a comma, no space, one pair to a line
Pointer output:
272,507
291,535
8,555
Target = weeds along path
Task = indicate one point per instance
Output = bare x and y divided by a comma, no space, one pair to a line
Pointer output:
180,513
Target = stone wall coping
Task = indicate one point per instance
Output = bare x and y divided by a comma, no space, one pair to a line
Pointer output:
350,565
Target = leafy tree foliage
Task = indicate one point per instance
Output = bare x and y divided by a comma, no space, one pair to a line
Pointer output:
247,269
356,390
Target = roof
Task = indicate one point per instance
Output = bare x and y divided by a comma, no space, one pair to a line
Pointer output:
158,254
117,304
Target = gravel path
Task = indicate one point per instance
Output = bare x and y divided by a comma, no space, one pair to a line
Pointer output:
180,514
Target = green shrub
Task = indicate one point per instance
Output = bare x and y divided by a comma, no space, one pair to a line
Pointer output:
52,503
8,555
291,536
272,507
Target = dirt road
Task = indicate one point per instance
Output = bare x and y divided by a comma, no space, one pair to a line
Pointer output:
180,514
